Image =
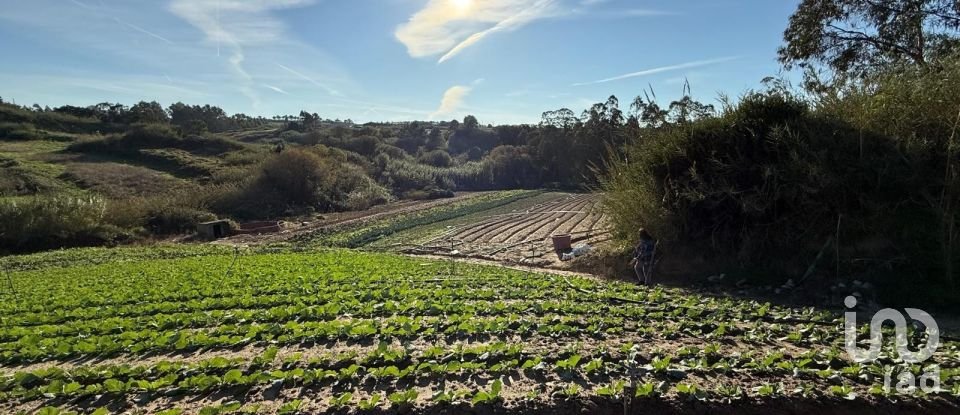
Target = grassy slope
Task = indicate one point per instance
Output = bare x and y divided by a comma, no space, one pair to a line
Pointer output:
46,167
24,169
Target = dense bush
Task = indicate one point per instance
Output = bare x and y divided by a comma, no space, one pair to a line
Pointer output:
750,181
404,175
19,131
773,179
366,193
172,219
436,158
466,139
298,177
49,120
391,151
38,223
512,167
300,180
365,145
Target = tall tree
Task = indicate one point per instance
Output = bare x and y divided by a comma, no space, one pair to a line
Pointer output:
470,122
856,37
148,112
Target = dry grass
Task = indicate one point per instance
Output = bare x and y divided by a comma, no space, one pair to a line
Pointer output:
118,181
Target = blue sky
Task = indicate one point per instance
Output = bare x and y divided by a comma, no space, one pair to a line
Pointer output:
506,61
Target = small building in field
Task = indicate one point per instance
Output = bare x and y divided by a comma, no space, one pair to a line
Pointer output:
214,229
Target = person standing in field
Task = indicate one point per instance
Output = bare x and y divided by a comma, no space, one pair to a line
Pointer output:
643,253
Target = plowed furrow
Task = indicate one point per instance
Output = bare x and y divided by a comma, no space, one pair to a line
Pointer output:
516,221
505,234
551,223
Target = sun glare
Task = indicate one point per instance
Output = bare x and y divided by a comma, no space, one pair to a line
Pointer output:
461,5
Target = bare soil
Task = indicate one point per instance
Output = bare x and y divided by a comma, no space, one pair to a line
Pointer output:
523,237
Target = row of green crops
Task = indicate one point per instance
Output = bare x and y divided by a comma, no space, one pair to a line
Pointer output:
349,331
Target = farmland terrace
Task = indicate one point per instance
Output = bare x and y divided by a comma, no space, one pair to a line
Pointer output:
206,329
512,227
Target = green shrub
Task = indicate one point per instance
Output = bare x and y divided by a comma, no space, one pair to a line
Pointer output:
19,132
512,167
429,193
298,177
174,219
393,152
436,158
765,184
920,110
49,120
769,182
366,193
300,180
40,223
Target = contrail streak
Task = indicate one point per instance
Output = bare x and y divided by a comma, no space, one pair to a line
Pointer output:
659,70
329,90
142,30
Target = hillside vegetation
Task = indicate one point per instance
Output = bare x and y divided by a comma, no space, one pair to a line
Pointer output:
856,177
130,173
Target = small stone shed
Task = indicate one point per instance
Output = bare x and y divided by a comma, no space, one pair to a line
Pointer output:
214,229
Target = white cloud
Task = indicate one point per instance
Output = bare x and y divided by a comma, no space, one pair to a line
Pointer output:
452,101
660,69
444,28
538,10
447,27
237,24
176,42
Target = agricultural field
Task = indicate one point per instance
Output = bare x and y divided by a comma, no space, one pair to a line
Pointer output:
507,226
518,232
380,224
208,331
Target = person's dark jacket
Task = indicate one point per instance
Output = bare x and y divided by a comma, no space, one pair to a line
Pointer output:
644,250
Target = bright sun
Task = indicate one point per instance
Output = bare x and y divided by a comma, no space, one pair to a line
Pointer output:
461,5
